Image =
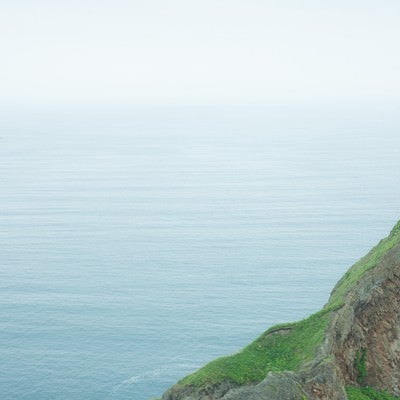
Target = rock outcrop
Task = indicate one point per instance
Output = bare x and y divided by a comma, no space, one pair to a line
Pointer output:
349,350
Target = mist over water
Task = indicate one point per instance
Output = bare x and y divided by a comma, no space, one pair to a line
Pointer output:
136,246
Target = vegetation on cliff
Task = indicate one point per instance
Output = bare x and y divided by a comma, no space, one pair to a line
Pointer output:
289,347
281,348
361,393
363,265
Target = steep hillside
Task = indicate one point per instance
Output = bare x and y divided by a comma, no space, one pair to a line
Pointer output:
348,350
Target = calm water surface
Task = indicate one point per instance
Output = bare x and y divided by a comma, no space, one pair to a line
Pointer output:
138,245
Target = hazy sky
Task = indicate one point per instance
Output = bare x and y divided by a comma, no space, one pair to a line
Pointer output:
199,52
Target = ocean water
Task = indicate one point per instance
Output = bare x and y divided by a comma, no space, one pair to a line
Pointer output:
138,244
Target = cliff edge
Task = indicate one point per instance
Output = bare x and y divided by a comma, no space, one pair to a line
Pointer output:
348,350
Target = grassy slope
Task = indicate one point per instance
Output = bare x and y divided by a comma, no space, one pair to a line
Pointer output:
356,393
363,265
270,352
290,350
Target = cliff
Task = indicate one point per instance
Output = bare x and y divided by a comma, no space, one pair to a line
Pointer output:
348,350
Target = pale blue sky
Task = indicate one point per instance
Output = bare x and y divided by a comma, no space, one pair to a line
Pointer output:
199,52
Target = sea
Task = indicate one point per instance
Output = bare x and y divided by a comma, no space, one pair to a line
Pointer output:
139,243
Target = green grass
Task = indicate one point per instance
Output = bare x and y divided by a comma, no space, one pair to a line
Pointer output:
363,265
289,351
360,366
270,352
357,393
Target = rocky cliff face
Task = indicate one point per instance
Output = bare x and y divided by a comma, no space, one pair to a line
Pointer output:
366,331
354,344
